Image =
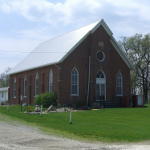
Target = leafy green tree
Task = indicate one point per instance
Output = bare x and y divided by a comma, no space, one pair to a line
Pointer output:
4,78
137,49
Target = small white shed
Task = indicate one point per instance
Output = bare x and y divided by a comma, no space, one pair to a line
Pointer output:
3,94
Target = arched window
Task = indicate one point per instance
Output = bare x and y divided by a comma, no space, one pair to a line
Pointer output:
119,84
50,80
100,86
15,87
36,84
25,86
100,74
74,82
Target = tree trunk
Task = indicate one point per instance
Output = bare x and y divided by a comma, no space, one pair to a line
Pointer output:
145,95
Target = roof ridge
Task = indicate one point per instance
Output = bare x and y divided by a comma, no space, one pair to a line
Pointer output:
65,43
72,31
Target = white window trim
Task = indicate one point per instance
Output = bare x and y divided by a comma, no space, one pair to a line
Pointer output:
25,87
102,81
15,90
36,77
51,79
103,56
120,86
77,83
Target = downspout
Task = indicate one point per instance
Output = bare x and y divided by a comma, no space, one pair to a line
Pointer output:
88,81
59,68
58,83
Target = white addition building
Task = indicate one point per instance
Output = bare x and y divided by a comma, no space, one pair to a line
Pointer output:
3,94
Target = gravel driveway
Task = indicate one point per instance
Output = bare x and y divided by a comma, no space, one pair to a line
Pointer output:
16,136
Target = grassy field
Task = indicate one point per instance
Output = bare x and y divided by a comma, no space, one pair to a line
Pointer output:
107,125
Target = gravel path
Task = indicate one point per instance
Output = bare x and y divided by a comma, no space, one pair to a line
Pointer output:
16,136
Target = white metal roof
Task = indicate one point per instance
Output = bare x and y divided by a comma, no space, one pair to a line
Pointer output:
57,49
3,89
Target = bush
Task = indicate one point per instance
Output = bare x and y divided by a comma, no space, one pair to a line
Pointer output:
46,99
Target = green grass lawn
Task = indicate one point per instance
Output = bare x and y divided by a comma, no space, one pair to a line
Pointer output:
107,125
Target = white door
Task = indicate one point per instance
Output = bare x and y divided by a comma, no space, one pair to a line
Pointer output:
100,86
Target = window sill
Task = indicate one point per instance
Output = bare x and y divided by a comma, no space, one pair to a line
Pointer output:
74,95
14,97
25,97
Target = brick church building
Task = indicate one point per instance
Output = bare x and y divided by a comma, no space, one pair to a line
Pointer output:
83,65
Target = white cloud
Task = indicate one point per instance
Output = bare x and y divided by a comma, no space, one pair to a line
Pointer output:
124,17
42,10
118,14
35,10
77,10
72,10
130,8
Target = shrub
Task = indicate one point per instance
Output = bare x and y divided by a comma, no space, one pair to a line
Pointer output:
46,99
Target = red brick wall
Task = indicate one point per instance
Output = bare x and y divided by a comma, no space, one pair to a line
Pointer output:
112,64
78,59
44,71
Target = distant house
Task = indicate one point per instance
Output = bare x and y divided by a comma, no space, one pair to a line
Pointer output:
83,65
3,94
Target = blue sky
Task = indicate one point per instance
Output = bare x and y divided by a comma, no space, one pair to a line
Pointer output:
26,23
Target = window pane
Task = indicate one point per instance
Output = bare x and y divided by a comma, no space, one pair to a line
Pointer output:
72,92
97,91
119,83
50,80
75,79
37,91
100,75
74,72
102,87
74,89
74,82
15,88
50,87
36,84
72,79
25,83
119,90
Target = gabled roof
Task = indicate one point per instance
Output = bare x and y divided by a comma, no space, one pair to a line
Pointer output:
57,49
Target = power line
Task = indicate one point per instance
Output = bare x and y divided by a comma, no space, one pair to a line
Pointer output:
28,52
